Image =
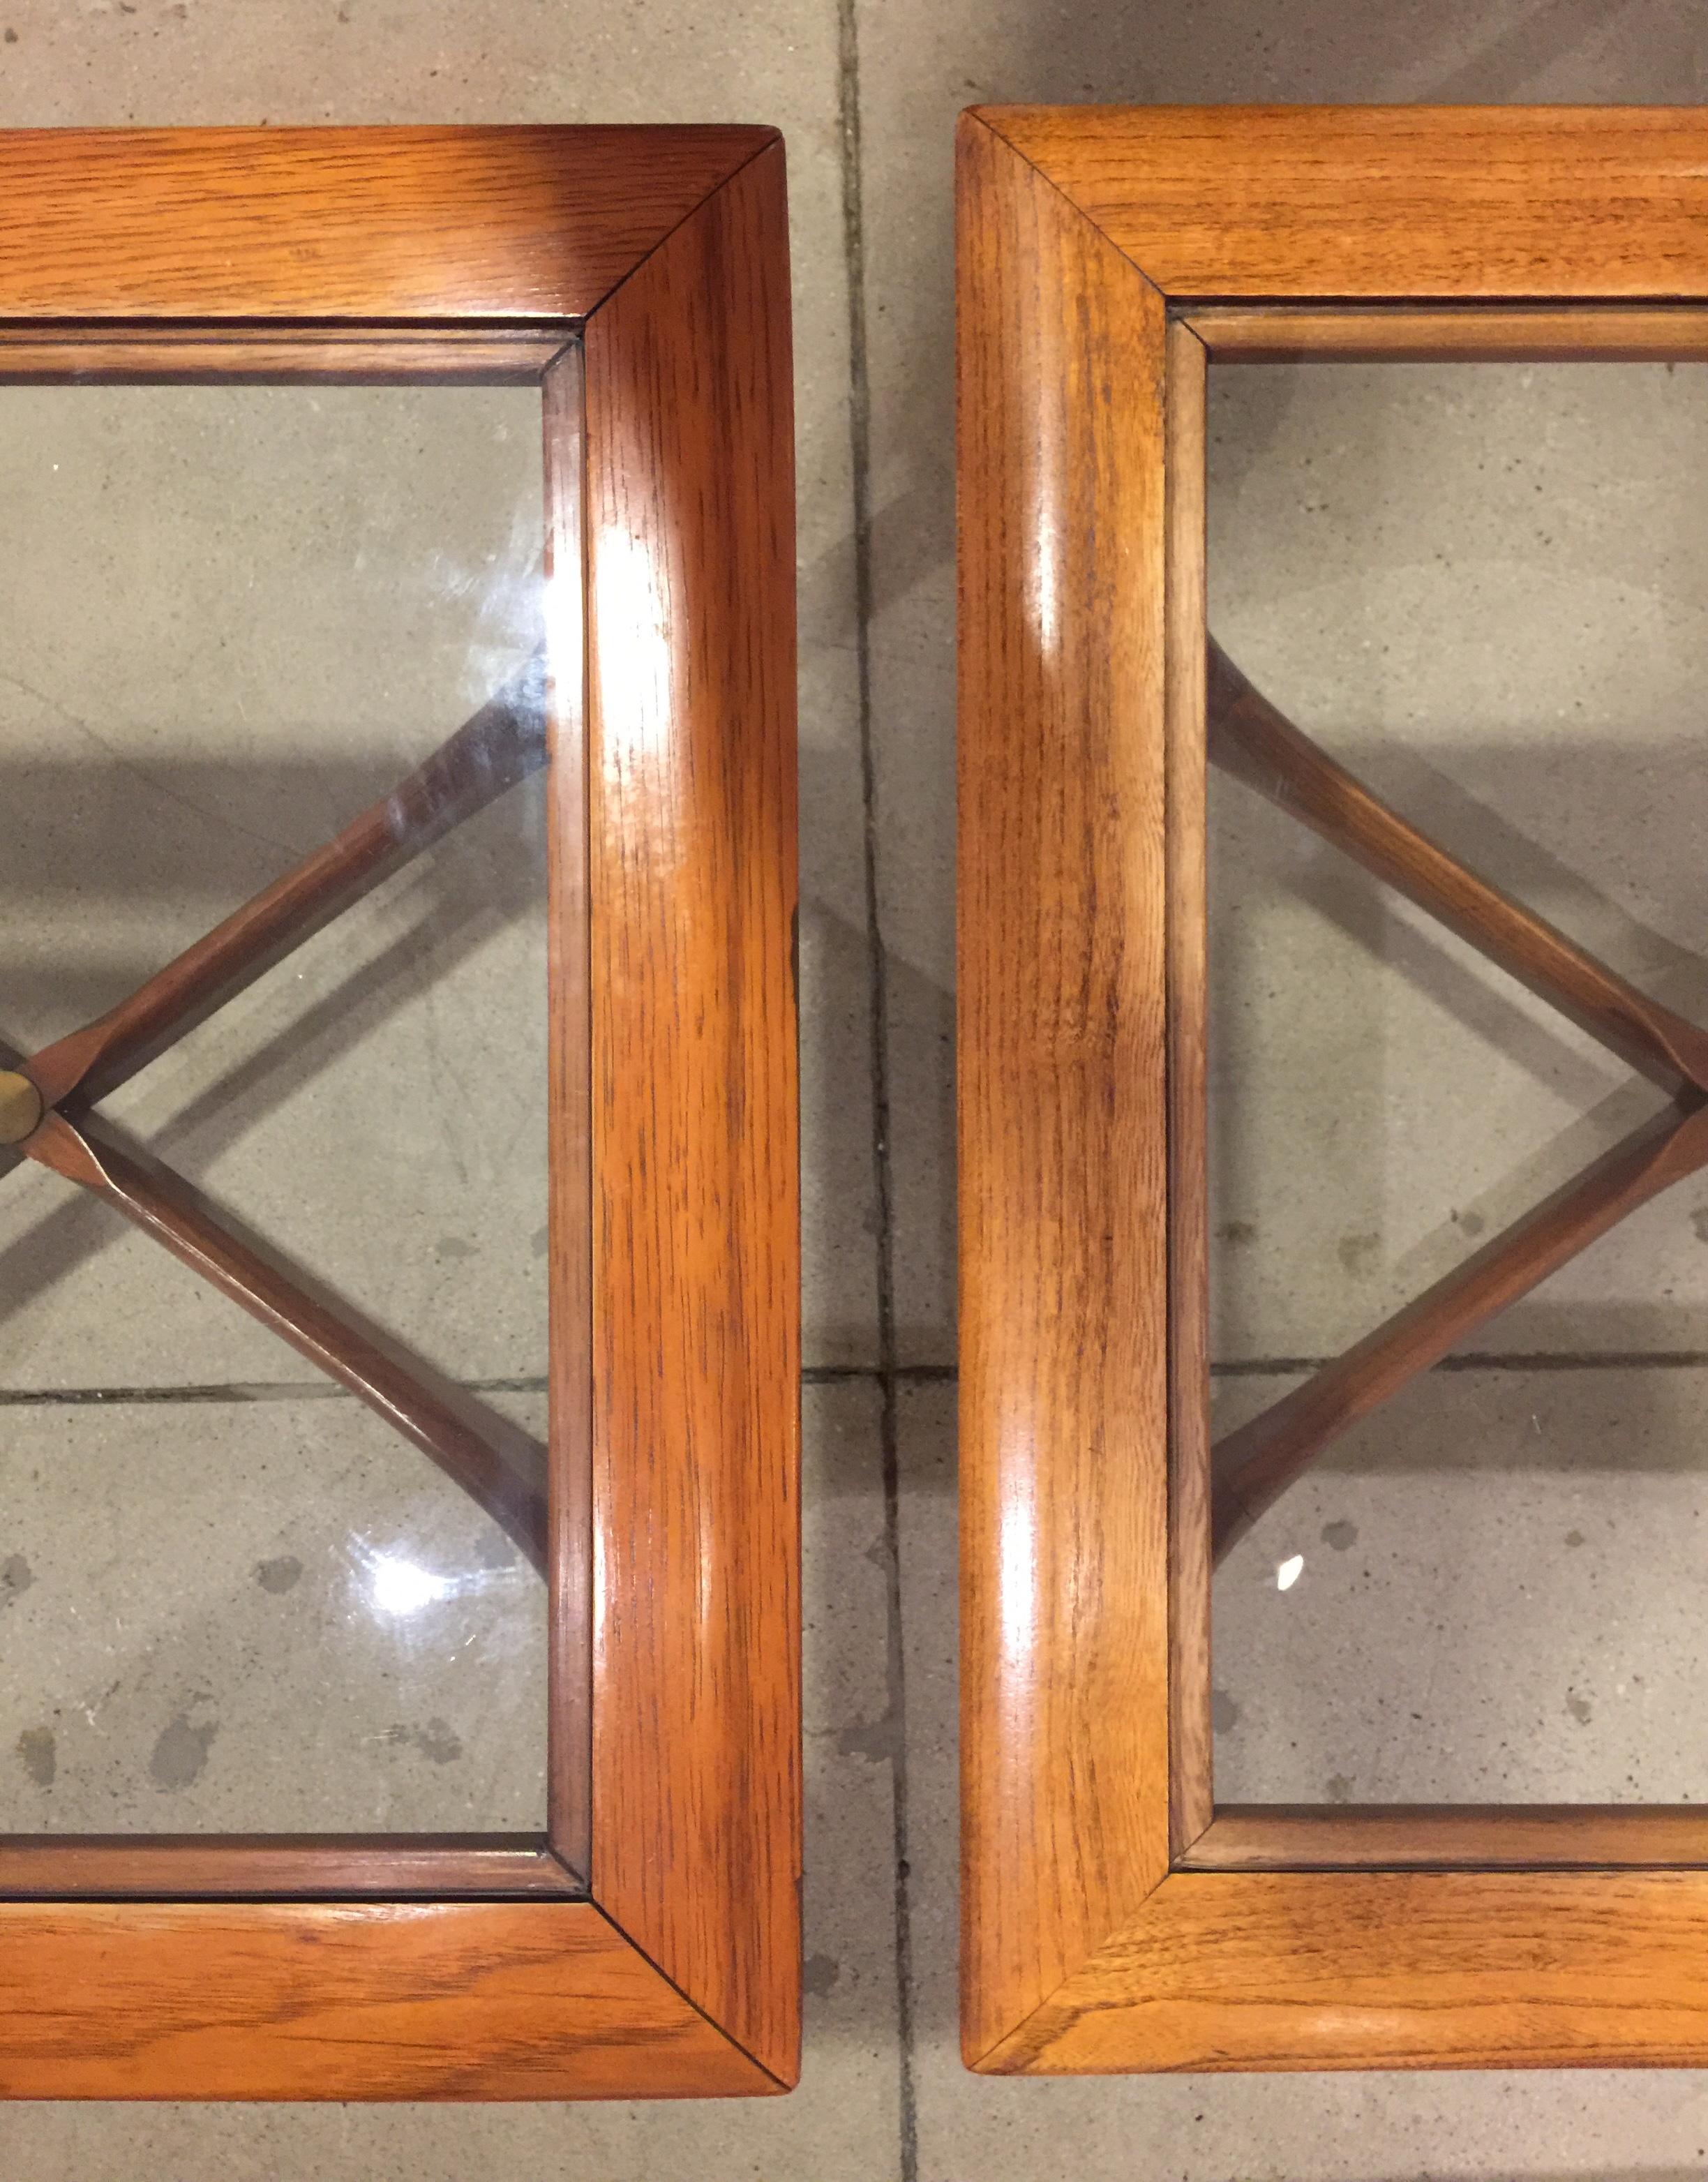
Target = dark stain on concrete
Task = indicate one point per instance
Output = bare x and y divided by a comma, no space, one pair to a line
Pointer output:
1359,1254
1224,1713
820,1974
1340,1534
1574,1537
492,1549
436,1739
180,1752
16,1576
870,1738
280,1575
40,1754
1237,1231
1580,1709
1338,1788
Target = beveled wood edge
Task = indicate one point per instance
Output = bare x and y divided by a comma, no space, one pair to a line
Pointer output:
1416,333
1455,1836
569,1533
697,1802
188,1866
80,353
429,224
1065,1682
371,2001
1191,1754
1386,1969
1034,2044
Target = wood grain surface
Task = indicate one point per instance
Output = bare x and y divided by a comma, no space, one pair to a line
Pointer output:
1063,1092
670,717
1394,1969
690,515
1307,1939
431,224
1435,203
443,2000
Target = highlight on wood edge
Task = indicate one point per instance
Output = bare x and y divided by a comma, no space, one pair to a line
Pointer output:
1250,738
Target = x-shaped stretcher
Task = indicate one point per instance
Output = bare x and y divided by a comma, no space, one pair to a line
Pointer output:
1249,738
47,1102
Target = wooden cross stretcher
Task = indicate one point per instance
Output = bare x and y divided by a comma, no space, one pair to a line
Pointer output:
1250,740
47,1103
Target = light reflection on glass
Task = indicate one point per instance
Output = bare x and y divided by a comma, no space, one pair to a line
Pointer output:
397,1585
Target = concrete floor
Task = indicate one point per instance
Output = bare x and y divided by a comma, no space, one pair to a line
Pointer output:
1360,521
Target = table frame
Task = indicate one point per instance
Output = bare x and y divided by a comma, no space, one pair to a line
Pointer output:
647,1944
1114,1919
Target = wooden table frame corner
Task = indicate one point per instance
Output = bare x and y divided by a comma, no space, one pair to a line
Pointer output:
1114,1920
648,1943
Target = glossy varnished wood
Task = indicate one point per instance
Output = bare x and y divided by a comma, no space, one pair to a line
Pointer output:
668,718
428,224
1429,203
1292,1937
1392,1969
1064,1096
443,2000
690,521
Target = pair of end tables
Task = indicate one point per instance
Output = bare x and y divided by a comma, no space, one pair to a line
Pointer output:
645,1940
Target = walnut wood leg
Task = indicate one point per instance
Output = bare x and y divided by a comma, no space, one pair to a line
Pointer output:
1249,738
437,1420
1261,1459
500,745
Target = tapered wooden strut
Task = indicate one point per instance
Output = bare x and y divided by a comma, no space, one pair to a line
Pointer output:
494,751
501,744
1248,738
1263,1457
158,1202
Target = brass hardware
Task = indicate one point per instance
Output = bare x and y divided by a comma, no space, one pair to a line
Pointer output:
20,1108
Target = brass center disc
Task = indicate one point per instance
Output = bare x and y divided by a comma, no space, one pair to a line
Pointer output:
20,1108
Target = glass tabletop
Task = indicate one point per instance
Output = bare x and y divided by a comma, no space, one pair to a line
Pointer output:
234,1597
1492,1585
